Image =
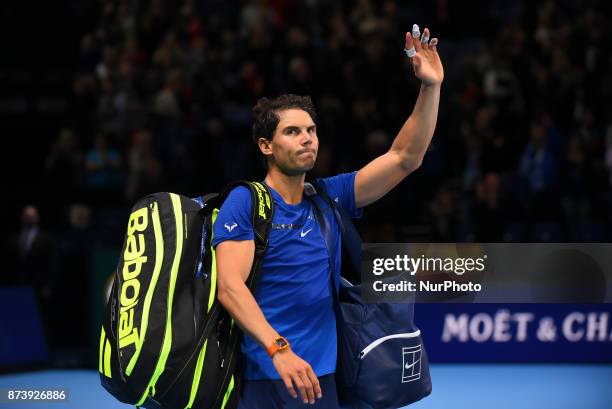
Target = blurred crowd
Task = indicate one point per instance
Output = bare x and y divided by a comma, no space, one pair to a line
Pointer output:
162,94
162,97
161,100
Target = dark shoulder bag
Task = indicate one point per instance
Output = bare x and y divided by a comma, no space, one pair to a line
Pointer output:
382,361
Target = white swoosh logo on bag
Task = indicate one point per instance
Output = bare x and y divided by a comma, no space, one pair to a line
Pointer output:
413,364
304,233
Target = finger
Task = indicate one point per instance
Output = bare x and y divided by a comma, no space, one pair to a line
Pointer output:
433,43
309,387
289,386
409,47
416,61
409,41
315,383
297,380
416,34
425,39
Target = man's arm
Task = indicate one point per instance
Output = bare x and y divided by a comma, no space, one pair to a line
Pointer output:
381,175
234,260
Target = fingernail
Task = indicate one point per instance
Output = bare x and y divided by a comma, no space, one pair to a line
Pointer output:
416,32
320,395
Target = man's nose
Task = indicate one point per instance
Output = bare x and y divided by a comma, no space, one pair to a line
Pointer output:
307,138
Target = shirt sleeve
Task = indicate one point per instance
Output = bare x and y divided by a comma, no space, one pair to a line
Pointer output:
234,218
341,189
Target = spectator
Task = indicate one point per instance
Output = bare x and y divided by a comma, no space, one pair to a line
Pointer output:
491,212
575,185
33,253
102,170
538,168
144,169
33,261
166,101
443,216
63,174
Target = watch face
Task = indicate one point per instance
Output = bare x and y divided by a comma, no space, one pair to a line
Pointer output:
281,343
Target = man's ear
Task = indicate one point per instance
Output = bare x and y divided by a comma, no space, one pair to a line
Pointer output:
265,146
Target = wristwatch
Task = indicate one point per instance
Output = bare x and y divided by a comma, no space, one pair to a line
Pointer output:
279,344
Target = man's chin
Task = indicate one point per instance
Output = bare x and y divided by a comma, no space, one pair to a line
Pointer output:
307,167
298,170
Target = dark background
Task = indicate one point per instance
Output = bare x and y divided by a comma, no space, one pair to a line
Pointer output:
522,150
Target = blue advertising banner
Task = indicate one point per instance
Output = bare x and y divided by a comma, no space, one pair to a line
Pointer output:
516,332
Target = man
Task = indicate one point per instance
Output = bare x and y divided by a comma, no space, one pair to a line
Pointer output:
290,331
32,254
33,259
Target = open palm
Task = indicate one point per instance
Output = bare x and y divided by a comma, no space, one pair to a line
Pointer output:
426,61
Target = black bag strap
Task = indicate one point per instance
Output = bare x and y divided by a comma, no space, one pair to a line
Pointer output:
311,194
351,241
262,213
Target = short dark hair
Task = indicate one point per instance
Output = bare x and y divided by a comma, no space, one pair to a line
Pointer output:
266,113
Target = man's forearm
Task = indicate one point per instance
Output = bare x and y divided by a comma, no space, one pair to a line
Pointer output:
243,307
415,135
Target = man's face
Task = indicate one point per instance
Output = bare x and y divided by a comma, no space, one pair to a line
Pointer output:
295,144
29,216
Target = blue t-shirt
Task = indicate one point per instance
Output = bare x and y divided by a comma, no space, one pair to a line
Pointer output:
294,291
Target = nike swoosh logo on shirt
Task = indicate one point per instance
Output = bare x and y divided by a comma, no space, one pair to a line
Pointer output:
304,233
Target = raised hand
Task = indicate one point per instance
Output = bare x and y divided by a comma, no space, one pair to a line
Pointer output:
424,56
